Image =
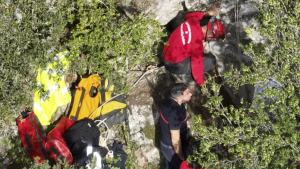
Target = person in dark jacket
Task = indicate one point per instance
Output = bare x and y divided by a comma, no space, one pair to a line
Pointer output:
173,125
184,55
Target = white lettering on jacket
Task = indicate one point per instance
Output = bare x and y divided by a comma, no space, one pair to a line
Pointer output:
183,33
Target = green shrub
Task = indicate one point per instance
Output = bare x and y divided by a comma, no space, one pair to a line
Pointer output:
248,137
111,44
100,37
26,42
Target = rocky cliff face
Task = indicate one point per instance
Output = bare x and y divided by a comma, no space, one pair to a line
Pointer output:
237,15
145,100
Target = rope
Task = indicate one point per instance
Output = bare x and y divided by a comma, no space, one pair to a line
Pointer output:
151,70
102,141
100,122
237,29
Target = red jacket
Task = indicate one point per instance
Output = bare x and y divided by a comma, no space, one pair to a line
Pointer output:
186,41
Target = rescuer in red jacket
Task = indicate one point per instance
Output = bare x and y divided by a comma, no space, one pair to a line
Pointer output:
184,55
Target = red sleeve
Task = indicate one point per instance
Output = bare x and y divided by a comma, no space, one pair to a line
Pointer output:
197,66
198,15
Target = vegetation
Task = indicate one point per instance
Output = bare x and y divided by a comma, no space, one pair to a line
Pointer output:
264,133
99,36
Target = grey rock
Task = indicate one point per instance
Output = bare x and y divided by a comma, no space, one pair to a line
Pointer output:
144,100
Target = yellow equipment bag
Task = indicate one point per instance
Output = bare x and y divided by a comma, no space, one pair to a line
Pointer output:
53,83
88,98
114,111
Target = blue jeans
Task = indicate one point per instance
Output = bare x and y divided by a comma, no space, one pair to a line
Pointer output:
172,160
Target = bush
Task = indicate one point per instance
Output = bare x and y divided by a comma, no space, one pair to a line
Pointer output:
264,134
100,37
109,42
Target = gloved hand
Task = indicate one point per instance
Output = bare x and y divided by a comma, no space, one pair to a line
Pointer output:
214,9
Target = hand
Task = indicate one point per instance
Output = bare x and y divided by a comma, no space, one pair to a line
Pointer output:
214,9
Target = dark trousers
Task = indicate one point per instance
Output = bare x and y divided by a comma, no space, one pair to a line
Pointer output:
172,160
184,67
182,71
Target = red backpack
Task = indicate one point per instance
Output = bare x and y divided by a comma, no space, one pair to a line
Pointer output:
32,135
55,145
39,146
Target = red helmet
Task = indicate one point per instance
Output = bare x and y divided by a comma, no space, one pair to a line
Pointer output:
218,28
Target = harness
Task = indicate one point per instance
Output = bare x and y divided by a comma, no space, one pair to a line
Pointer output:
168,122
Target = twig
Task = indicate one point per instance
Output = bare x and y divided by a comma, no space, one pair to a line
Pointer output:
143,76
222,106
289,145
227,119
284,6
122,93
104,4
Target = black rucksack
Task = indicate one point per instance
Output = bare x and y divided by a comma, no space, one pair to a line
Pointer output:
79,136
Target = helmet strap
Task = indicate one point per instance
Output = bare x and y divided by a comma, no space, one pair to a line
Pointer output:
206,34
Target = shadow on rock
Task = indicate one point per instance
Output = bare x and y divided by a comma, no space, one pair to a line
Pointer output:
160,89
